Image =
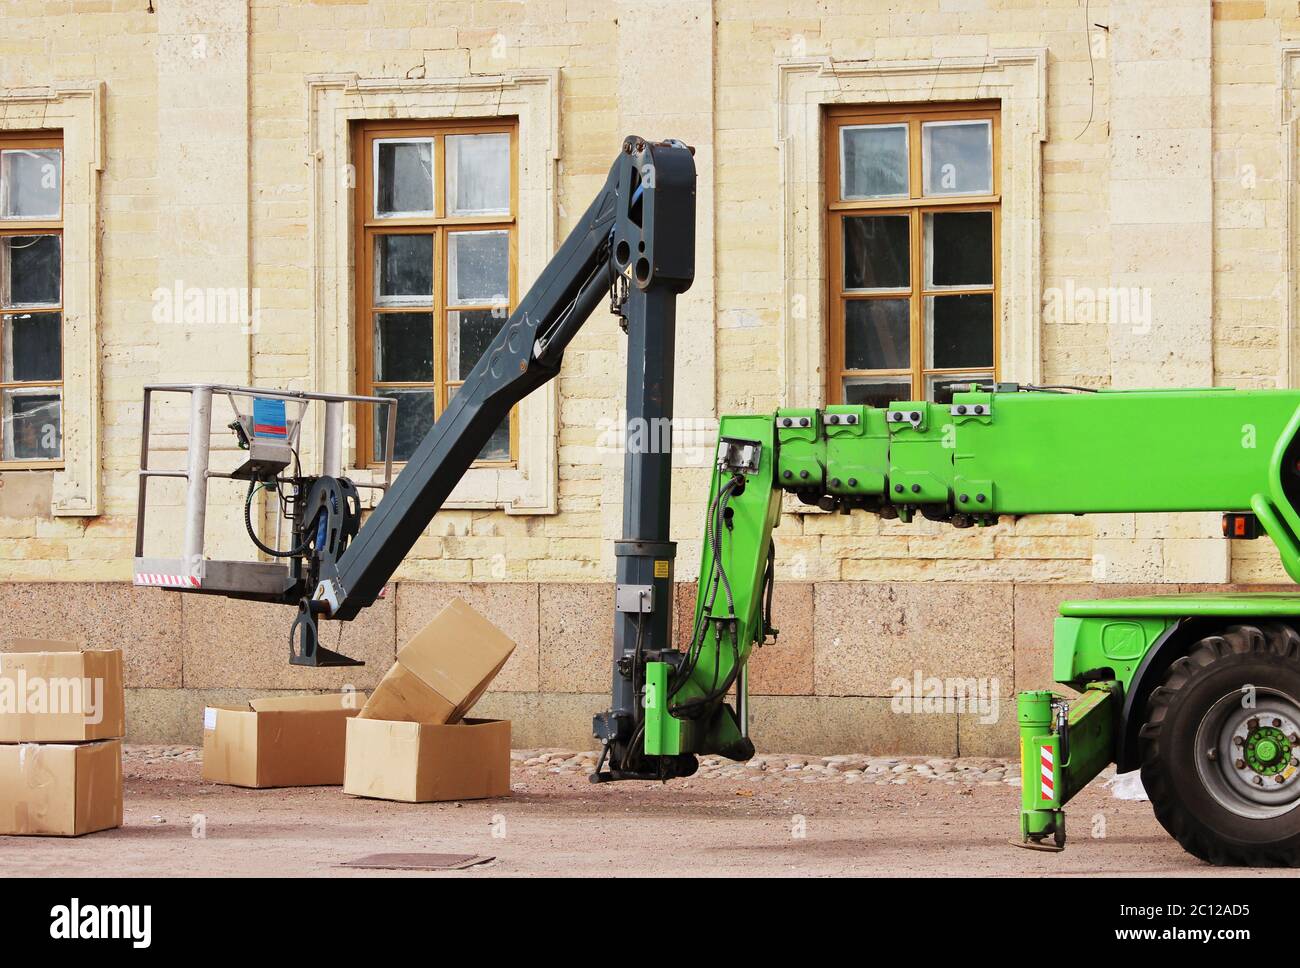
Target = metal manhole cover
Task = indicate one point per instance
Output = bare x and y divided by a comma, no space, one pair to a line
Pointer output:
417,862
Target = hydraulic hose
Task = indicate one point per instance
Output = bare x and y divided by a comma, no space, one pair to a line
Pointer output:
248,525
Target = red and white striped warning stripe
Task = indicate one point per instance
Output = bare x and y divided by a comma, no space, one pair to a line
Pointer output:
1049,775
171,581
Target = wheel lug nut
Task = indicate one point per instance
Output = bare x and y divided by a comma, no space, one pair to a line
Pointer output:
1212,754
1277,723
1253,724
1240,764
1279,778
1237,741
1259,781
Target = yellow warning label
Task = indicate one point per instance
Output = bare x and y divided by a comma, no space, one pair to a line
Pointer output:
661,569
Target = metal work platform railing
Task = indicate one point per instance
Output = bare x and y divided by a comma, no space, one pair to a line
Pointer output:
192,571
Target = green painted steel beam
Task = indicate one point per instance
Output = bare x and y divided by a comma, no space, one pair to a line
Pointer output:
1219,605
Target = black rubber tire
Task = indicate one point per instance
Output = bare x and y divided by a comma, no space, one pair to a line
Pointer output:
1266,655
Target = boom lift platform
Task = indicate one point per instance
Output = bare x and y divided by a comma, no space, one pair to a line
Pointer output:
1202,692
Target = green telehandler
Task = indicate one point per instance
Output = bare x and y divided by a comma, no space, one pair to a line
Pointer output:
1202,692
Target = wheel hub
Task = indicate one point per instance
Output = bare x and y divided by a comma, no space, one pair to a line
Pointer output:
1268,752
1251,761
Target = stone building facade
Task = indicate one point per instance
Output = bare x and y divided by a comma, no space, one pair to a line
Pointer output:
1141,165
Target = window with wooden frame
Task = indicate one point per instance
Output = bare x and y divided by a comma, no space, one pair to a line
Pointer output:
436,248
912,231
31,299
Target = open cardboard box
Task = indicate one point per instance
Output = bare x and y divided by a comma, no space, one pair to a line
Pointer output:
60,692
411,740
278,741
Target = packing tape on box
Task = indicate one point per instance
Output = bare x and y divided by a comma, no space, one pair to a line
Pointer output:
31,764
24,815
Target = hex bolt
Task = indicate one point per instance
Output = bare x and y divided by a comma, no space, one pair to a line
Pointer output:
803,475
979,408
979,498
853,482
961,408
786,422
916,488
964,498
898,488
787,475
804,422
915,416
851,419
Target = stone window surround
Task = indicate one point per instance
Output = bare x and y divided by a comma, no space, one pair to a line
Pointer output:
334,102
1018,79
77,110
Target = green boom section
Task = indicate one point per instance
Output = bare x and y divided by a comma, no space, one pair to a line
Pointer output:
728,617
1018,453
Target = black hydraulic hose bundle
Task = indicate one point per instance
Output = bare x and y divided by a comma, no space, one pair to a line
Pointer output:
248,525
715,524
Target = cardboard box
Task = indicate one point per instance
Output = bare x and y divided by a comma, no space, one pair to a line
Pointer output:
411,741
58,692
278,742
60,789
420,762
442,671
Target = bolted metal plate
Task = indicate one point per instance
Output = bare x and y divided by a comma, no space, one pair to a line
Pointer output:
417,862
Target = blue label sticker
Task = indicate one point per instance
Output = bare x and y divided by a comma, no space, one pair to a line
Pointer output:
269,419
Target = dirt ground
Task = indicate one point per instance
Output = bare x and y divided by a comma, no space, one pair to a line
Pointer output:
559,824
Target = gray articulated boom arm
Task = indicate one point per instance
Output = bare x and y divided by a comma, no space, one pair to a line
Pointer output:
637,236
